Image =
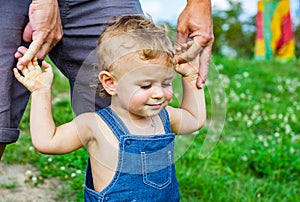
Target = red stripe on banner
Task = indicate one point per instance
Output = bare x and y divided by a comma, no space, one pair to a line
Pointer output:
287,30
259,26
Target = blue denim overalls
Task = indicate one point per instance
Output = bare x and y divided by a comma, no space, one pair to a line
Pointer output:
145,170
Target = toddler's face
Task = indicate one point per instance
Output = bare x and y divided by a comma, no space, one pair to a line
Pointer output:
144,88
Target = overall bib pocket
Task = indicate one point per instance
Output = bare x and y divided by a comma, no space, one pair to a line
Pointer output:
157,169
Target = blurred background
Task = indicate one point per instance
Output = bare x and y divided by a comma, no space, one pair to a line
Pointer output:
235,22
253,105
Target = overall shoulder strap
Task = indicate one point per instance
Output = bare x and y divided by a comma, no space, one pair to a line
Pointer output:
164,116
113,121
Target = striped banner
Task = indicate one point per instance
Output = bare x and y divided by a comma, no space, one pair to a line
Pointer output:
274,30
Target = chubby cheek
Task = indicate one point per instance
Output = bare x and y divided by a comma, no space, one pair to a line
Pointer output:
168,94
138,98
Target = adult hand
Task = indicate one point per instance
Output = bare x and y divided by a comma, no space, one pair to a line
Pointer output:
44,30
195,22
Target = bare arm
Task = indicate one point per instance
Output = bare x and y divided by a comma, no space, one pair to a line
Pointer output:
195,22
191,115
46,137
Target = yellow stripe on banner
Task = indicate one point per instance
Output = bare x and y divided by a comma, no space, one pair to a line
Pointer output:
287,50
260,5
282,9
260,49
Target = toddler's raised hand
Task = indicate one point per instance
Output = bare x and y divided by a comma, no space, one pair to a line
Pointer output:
190,68
33,78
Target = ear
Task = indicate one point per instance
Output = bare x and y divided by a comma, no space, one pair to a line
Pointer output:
108,82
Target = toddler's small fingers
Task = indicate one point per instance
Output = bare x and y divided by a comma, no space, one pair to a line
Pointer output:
25,71
35,63
30,66
47,66
18,76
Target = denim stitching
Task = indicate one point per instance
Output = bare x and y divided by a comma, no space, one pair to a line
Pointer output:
151,182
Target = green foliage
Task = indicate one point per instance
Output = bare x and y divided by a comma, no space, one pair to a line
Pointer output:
257,157
233,36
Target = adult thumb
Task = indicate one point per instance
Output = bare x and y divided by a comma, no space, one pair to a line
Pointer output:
27,33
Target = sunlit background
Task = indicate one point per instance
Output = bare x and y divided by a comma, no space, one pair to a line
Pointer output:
168,10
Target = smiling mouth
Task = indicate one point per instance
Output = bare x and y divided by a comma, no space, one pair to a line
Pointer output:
155,105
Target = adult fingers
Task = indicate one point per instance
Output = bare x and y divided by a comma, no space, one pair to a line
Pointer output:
190,54
20,52
32,51
44,49
27,33
203,67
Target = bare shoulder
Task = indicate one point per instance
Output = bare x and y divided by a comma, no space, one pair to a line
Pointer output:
87,123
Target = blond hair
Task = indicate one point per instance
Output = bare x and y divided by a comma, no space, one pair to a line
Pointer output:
132,34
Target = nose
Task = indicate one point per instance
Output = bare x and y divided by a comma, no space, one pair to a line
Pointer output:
157,92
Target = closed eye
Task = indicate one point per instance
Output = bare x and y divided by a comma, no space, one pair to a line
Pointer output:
146,86
166,84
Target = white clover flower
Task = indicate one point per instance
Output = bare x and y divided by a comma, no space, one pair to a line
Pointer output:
292,150
244,158
237,76
31,148
254,115
258,119
266,144
225,79
276,99
234,96
249,123
273,116
276,134
28,173
293,118
239,115
280,88
256,107
246,74
246,118
219,67
242,95
50,159
34,179
288,129
260,138
62,168
252,151
238,85
78,171
73,175
292,89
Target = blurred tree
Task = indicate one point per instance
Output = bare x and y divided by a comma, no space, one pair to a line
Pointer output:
233,36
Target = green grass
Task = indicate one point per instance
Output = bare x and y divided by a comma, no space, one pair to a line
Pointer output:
256,158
